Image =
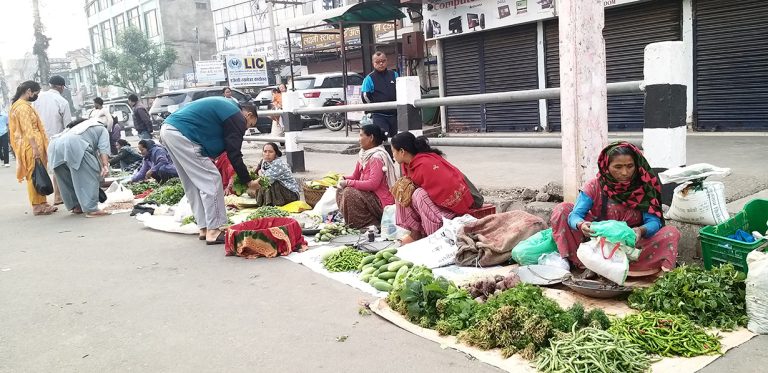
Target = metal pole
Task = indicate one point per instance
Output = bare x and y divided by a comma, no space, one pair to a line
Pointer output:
397,51
290,59
344,74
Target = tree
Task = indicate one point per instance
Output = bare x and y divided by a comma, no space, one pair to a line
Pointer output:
135,62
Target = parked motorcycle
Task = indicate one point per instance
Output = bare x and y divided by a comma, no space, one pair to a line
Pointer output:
334,121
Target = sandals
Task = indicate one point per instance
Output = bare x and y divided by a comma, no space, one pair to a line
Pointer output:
218,241
96,214
45,210
201,237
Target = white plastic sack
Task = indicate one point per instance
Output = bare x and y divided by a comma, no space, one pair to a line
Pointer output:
117,193
603,260
554,260
692,172
389,229
182,210
757,292
439,248
705,206
166,224
327,203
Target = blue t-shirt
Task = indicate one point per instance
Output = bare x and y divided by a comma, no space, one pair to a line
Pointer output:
201,121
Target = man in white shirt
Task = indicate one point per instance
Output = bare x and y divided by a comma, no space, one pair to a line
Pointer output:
55,114
101,114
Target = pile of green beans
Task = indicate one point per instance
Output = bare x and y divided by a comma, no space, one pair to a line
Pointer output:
666,335
344,260
592,350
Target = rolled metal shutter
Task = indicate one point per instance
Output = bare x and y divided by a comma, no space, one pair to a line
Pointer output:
731,62
510,65
628,29
461,61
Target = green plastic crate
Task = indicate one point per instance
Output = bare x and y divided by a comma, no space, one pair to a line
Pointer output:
717,249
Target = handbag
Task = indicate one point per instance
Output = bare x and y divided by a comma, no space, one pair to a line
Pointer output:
41,180
403,191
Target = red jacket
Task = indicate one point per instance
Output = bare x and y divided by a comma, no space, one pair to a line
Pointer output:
443,182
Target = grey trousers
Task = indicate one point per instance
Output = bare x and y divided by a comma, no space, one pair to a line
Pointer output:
199,176
80,187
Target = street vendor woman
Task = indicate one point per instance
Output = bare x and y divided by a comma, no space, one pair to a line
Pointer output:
439,190
283,188
193,135
362,196
625,189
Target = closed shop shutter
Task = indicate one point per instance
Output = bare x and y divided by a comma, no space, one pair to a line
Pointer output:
731,65
628,29
461,61
493,61
510,65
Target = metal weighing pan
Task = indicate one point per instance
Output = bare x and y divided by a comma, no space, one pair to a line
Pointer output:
351,239
541,274
597,289
375,247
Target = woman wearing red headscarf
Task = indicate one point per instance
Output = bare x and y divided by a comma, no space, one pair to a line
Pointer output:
625,189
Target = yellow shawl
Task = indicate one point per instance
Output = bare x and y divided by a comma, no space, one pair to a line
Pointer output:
23,125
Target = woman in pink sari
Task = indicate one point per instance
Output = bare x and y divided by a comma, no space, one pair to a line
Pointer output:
625,189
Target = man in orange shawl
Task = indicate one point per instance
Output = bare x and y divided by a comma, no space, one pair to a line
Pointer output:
29,142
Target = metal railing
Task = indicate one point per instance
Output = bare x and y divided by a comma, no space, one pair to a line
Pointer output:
631,87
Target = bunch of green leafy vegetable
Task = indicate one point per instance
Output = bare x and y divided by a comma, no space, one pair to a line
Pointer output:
267,212
714,298
169,193
239,187
188,220
142,186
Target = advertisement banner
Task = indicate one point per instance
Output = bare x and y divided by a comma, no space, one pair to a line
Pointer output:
446,18
210,71
351,37
247,71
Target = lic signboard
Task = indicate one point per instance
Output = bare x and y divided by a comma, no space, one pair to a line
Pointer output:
246,71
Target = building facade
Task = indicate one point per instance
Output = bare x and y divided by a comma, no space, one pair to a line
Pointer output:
504,45
185,25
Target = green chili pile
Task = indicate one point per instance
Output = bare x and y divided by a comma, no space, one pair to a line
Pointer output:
666,335
344,260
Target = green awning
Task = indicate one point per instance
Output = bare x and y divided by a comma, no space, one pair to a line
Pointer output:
350,15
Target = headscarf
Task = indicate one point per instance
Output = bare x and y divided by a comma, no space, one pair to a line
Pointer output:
642,193
380,153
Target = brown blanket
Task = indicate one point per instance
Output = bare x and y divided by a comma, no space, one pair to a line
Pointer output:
490,240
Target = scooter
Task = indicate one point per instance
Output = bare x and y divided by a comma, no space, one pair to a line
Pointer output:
334,121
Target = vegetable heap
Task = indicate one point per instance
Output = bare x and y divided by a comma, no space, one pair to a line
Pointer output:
142,186
380,270
170,193
483,289
188,220
238,187
267,212
344,260
713,298
591,350
665,335
330,179
333,230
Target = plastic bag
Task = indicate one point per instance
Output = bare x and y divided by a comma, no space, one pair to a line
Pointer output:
697,171
117,193
528,251
554,260
41,180
615,231
296,207
701,203
327,203
604,259
757,292
439,248
389,229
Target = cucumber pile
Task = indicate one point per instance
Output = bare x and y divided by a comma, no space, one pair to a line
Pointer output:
382,269
333,230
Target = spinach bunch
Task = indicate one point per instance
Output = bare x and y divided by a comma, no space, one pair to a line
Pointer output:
713,298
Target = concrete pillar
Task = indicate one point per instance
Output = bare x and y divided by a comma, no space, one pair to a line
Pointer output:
664,133
408,116
294,152
688,40
583,94
541,63
441,85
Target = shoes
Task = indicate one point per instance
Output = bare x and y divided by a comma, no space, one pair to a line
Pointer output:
6,165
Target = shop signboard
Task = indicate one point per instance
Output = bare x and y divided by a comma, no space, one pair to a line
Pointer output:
210,71
246,71
351,37
446,18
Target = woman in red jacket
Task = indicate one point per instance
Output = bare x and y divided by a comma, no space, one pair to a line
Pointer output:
363,195
441,190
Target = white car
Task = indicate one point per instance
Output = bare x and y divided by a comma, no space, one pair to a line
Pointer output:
314,90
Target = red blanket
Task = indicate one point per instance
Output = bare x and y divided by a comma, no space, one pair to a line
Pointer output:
266,237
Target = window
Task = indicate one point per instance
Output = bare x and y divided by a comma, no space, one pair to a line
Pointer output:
116,1
354,80
239,96
150,23
201,6
95,39
304,83
119,24
92,9
106,33
103,5
133,18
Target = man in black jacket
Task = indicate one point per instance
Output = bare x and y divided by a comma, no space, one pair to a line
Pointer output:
141,119
379,86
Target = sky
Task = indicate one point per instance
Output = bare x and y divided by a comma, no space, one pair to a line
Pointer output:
64,20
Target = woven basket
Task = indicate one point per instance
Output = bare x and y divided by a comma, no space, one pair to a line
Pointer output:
312,196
